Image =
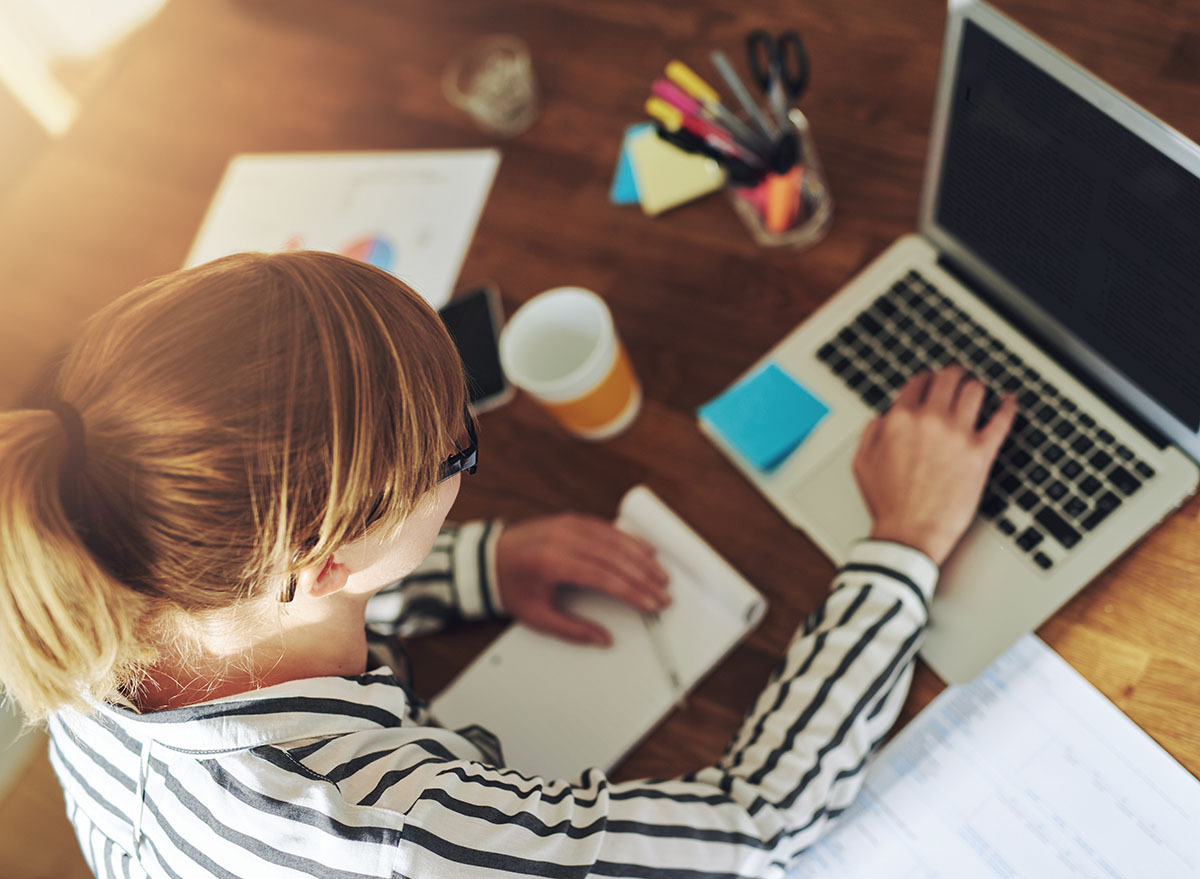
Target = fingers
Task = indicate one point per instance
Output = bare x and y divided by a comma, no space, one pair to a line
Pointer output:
913,392
968,402
622,555
993,433
943,388
549,619
589,571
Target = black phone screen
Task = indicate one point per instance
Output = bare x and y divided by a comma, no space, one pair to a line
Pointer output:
469,318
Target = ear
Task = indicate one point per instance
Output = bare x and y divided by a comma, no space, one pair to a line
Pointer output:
331,578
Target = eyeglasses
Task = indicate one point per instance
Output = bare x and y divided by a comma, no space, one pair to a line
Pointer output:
464,459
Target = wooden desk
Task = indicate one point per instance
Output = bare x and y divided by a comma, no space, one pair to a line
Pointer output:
121,196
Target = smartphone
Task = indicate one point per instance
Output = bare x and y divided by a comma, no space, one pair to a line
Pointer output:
473,319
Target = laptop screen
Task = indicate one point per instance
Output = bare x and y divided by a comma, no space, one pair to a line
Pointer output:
1096,226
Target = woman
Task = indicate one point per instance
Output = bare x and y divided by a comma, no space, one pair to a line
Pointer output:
236,498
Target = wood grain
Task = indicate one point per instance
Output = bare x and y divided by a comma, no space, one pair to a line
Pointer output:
119,199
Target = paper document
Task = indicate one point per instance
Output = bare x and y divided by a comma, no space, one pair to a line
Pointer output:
1026,772
410,213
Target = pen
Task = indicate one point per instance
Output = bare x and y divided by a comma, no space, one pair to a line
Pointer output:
658,639
688,80
721,62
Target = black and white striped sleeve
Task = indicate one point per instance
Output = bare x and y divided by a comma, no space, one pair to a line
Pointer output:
795,764
455,582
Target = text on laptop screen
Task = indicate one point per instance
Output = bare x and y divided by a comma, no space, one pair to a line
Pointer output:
1096,226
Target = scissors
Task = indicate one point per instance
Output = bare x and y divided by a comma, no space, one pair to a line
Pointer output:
779,67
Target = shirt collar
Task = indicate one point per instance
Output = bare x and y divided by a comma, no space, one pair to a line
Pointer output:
287,712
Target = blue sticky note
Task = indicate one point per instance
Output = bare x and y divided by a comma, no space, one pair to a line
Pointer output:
624,186
765,416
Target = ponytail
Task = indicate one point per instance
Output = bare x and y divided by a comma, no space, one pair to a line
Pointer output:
67,628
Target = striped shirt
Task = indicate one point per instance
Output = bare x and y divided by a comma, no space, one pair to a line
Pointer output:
350,776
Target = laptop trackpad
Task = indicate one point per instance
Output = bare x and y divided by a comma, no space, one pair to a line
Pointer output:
830,505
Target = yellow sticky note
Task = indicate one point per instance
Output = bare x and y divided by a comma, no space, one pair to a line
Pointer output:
667,176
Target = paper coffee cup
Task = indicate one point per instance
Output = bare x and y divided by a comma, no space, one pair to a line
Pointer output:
561,348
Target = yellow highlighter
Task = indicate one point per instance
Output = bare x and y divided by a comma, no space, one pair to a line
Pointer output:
670,116
688,80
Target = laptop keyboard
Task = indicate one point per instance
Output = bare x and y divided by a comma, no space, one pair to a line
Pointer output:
1057,476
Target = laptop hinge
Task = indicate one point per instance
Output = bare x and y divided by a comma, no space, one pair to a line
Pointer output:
1122,408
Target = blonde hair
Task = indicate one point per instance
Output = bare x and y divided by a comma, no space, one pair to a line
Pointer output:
244,414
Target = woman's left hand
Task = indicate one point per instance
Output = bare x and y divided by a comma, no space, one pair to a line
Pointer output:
536,558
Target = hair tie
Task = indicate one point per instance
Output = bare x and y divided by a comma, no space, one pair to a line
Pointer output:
73,425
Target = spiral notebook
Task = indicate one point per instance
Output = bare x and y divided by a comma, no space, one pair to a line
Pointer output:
561,708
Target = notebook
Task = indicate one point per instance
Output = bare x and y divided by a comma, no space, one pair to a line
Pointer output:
559,708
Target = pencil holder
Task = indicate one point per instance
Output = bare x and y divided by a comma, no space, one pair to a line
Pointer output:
789,209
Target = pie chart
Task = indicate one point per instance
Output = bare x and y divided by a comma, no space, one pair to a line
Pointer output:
371,249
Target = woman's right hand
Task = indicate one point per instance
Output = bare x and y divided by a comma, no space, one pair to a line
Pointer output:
922,466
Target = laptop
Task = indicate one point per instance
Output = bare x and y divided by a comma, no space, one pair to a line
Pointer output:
1057,257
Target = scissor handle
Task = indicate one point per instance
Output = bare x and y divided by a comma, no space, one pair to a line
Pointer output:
762,58
792,63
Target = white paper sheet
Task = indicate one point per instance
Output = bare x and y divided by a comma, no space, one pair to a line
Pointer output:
411,213
1026,772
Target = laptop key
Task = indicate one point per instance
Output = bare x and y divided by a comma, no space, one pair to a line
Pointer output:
885,305
1043,561
1020,458
1009,483
1055,490
1104,436
872,394
1038,475
1104,505
1029,538
1074,507
1027,399
1125,453
1053,453
856,378
992,506
1090,485
1006,527
1082,444
1058,527
1034,440
1046,414
1124,480
1087,420
1063,429
1100,460
1071,469
1027,501
1144,469
869,324
826,352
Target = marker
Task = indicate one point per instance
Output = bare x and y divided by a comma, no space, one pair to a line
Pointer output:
688,80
